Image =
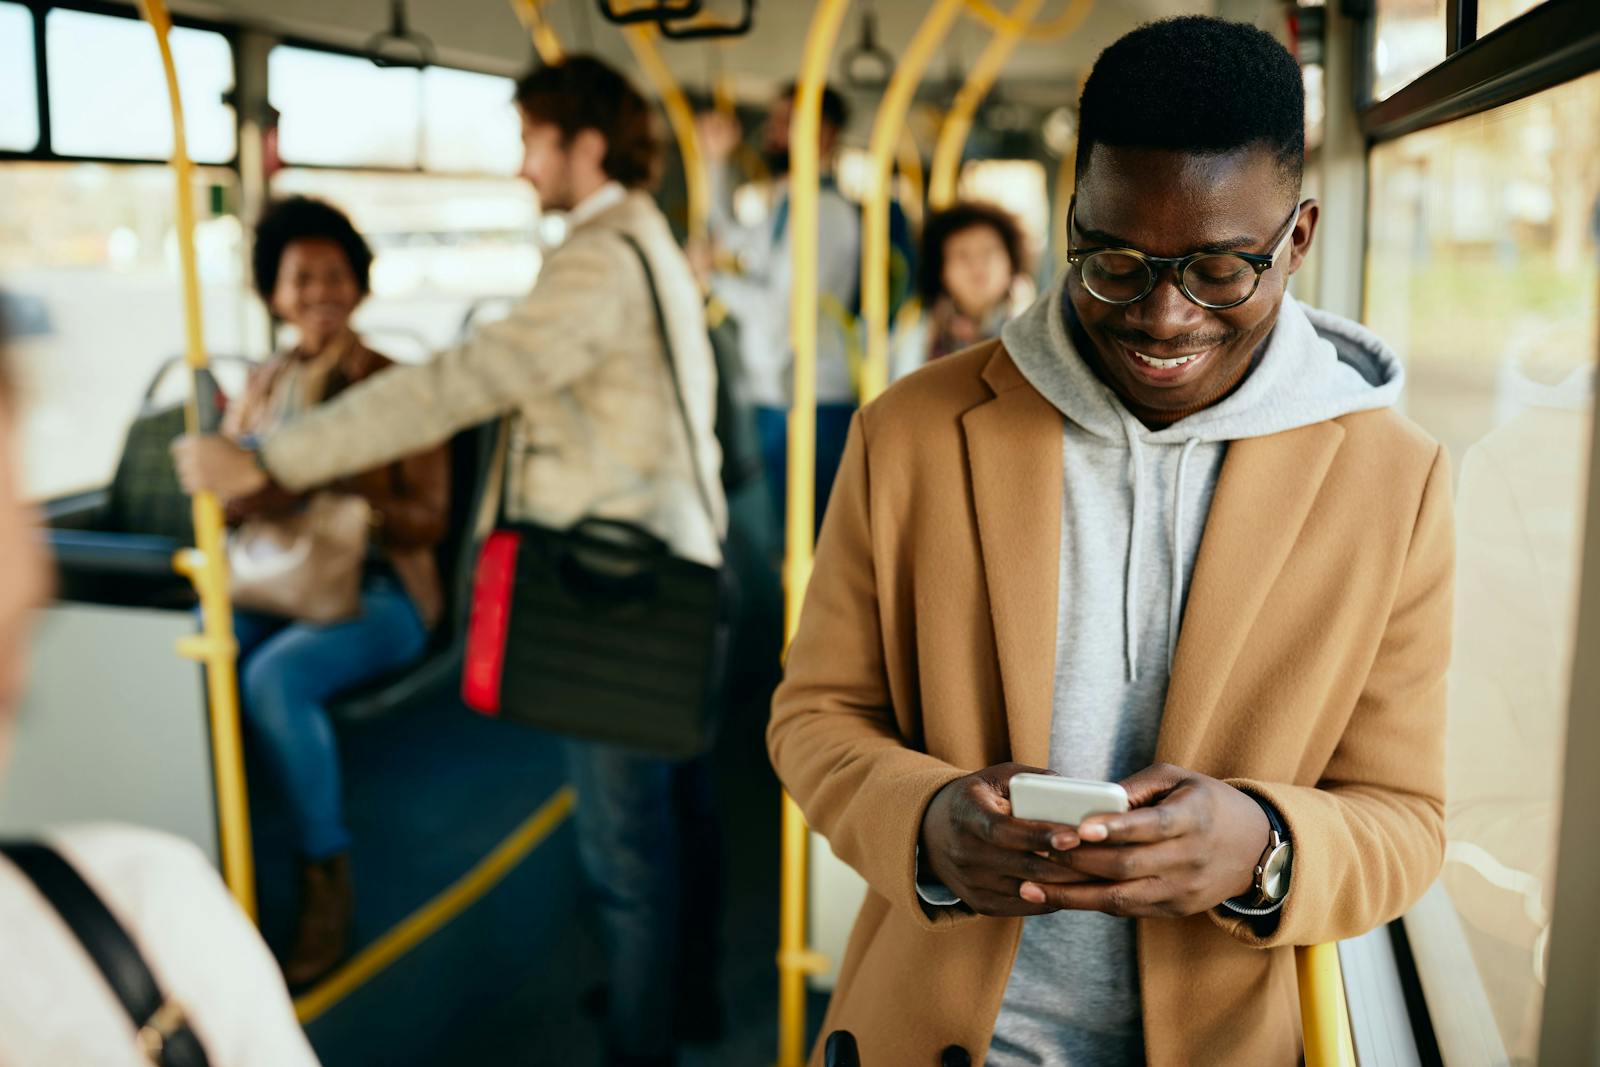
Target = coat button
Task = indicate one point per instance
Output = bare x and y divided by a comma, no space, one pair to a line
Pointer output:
955,1056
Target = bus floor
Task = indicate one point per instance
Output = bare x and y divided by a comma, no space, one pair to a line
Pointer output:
509,979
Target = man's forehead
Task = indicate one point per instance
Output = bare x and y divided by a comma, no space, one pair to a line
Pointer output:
1164,201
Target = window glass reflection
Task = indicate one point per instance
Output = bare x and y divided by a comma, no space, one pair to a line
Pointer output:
342,111
469,123
19,119
1482,270
108,93
1408,40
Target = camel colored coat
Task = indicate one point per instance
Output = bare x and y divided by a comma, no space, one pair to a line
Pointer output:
1310,667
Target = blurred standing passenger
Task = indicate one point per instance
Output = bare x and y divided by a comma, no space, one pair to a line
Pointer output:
311,269
55,1007
754,278
972,260
580,366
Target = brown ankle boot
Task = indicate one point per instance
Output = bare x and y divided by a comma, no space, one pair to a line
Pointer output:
327,913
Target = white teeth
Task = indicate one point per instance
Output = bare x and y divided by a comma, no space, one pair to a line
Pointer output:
1167,364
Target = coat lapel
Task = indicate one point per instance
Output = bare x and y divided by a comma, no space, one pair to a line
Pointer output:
1263,495
1014,447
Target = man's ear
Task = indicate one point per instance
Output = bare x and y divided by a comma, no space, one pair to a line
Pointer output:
1305,228
590,145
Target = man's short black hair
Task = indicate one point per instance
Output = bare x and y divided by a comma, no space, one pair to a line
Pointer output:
1196,84
835,112
300,218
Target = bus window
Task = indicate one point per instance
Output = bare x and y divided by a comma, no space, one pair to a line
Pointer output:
442,244
469,123
93,244
341,111
1482,270
1492,14
1022,187
19,119
1409,39
102,66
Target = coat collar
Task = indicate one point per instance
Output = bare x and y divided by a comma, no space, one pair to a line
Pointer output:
1263,496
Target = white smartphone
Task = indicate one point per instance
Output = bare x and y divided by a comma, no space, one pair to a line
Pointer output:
1068,801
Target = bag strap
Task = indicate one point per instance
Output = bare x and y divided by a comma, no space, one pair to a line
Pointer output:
677,386
163,1031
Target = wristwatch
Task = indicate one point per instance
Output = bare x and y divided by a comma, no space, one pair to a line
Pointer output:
1272,870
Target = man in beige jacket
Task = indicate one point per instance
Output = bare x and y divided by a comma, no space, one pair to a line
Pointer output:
1168,531
596,432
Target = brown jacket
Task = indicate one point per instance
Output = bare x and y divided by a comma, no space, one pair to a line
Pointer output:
410,498
1310,667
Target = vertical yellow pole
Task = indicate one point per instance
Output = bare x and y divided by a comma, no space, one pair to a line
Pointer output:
805,127
545,41
1324,1013
641,38
946,168
887,128
205,565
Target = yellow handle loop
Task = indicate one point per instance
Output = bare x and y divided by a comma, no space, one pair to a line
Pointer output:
206,565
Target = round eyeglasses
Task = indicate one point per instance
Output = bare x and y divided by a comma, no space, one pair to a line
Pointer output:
1214,280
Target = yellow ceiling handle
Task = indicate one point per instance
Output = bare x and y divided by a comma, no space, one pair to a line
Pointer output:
888,129
545,40
206,565
945,172
1064,23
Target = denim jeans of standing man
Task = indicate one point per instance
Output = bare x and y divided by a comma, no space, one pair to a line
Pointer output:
650,842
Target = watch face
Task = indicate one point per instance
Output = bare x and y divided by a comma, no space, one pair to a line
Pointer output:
1275,874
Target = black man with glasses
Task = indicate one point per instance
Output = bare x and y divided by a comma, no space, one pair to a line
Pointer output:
1168,532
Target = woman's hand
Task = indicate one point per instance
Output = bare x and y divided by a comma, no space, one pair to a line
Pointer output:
1189,843
212,464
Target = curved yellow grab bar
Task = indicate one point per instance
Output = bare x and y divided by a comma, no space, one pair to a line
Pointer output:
795,960
206,565
641,38
1324,1013
887,129
999,21
545,41
946,168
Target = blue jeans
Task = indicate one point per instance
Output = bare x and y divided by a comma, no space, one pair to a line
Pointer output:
287,672
651,847
833,428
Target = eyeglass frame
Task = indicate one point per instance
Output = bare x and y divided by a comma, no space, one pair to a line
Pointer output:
1154,265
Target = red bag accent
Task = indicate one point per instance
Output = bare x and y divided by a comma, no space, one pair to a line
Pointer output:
490,620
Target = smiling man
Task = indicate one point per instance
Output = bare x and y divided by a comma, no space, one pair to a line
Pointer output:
1168,531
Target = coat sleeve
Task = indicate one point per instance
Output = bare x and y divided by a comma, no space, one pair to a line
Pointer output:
558,333
833,736
1369,837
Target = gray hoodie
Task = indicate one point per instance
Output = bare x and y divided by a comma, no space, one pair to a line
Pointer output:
1134,506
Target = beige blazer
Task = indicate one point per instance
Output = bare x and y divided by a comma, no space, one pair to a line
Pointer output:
1310,666
580,365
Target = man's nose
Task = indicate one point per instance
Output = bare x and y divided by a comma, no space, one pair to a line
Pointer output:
1166,312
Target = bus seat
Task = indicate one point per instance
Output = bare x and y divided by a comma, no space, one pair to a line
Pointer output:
471,452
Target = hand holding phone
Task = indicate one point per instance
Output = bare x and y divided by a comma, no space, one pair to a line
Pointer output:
1068,801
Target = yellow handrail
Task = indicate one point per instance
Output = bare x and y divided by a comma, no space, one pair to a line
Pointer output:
641,39
998,20
205,565
805,126
545,41
1324,1013
887,127
946,168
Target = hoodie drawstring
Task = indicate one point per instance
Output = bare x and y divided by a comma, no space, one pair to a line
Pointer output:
1130,597
1130,594
1175,608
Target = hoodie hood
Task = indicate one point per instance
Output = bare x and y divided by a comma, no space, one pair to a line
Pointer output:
1316,366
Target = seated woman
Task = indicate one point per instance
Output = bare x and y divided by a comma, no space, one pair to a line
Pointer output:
311,267
972,261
